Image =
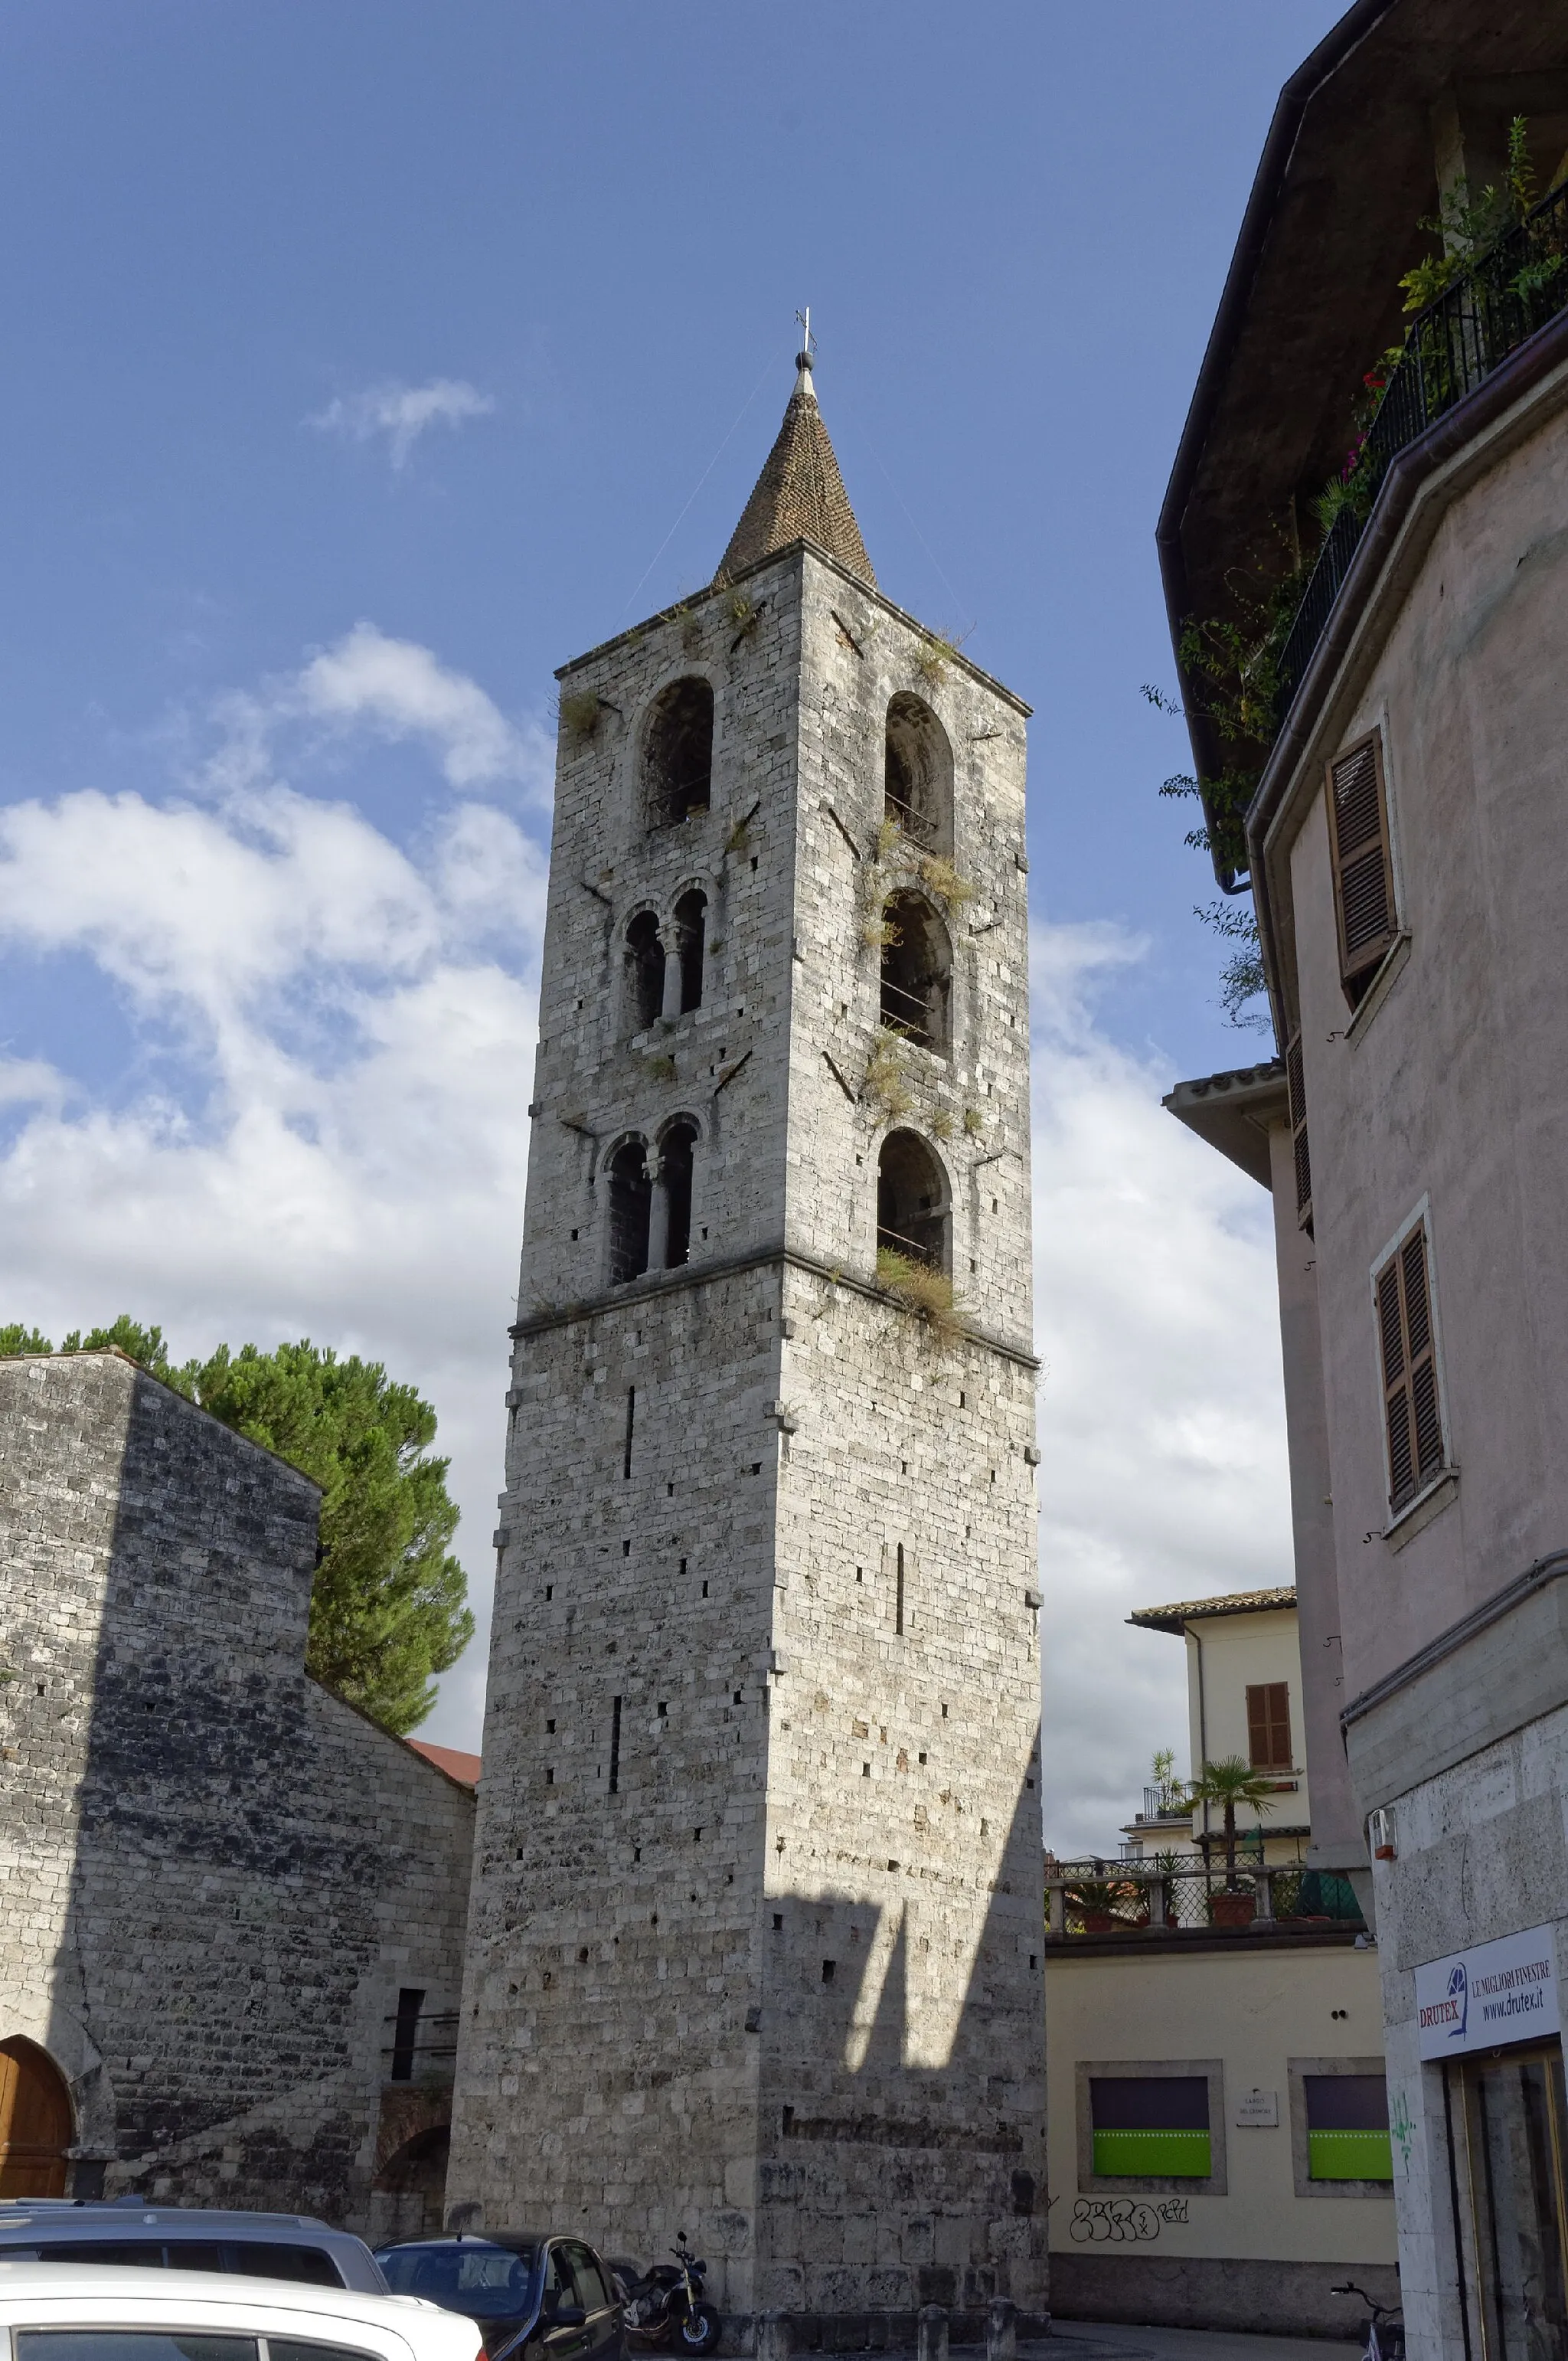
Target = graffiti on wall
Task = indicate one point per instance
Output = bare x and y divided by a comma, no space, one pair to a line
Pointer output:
1123,2221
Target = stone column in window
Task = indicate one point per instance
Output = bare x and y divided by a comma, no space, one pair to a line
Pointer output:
659,1205
670,937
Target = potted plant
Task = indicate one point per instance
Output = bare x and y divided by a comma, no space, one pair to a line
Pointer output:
1227,1784
1107,1907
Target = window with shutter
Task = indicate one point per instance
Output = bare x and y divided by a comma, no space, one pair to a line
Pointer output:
1362,872
1269,1725
1411,1405
1296,1084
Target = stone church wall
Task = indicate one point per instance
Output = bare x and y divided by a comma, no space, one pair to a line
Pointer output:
215,1877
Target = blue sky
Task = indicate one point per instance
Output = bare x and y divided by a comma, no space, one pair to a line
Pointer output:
365,364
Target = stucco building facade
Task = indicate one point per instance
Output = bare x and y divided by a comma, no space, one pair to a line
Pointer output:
1220,2155
230,1905
755,1935
1407,847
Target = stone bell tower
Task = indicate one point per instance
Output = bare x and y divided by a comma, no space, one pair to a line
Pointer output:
755,1944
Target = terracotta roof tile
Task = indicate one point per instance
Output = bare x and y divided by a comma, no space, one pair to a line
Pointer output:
1192,1611
798,496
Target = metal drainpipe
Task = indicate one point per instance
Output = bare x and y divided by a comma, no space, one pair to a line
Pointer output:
1197,1638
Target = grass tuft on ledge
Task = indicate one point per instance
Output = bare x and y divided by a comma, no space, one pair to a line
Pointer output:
920,1289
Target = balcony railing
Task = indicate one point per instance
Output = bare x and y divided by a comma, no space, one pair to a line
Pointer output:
1099,1898
1452,346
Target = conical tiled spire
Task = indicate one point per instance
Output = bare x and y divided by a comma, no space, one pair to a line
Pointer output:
799,494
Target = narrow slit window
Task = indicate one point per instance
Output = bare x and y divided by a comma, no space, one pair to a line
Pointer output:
898,1595
1411,1403
614,1746
1363,869
405,2034
631,1430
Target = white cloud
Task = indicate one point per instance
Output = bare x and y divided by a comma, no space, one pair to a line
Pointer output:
1161,1416
326,1133
399,688
402,413
341,1030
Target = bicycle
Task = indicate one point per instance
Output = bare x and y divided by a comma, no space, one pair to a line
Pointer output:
1384,2332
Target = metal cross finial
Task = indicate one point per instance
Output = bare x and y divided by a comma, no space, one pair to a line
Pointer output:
805,319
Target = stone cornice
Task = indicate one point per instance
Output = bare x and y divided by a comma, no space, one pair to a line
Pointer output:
705,1274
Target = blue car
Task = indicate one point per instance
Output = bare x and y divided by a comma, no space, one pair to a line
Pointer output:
534,2298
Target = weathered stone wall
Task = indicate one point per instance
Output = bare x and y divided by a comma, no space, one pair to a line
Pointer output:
215,1876
713,1762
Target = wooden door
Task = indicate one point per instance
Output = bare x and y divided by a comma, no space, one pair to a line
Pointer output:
34,2123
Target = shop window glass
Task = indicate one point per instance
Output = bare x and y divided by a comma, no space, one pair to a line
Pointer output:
1508,2115
1347,2127
1151,2126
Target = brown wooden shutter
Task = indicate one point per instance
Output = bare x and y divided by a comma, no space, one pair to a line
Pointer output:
1364,875
1410,1370
1296,1083
1269,1725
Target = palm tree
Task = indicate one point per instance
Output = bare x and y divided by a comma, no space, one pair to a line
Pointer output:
1228,1783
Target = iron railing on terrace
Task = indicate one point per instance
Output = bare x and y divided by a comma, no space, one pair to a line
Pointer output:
1099,1898
1452,346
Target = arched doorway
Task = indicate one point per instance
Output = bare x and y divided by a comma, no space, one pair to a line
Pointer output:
407,2198
35,2122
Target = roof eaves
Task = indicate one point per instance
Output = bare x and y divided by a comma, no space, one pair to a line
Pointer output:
1235,1112
1176,1618
1267,184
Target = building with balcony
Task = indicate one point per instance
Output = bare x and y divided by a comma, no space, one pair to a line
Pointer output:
1220,2154
1244,1702
1372,503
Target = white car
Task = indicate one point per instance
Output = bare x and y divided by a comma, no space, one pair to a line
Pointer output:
60,2311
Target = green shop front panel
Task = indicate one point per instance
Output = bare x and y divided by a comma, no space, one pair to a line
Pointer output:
1148,2155
1350,2155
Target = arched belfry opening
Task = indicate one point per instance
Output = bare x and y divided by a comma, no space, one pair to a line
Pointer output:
691,943
35,2122
918,774
673,1207
644,972
911,1200
916,972
631,1206
677,754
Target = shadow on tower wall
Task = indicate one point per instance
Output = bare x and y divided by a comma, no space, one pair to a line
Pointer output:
901,2091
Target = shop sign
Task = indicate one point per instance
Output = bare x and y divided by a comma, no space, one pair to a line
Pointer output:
1493,1993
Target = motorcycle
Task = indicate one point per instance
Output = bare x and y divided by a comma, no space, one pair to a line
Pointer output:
665,2305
